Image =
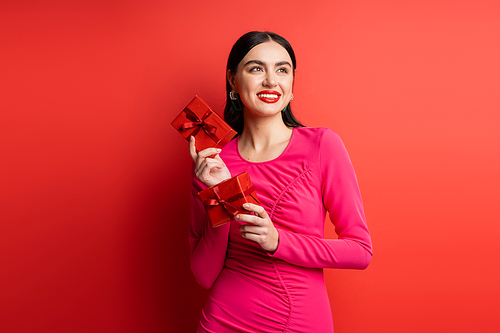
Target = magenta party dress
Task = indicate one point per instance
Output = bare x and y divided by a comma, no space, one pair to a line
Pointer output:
256,291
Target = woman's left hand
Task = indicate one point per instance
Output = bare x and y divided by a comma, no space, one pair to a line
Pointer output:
259,227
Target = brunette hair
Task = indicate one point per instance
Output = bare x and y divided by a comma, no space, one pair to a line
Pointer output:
242,46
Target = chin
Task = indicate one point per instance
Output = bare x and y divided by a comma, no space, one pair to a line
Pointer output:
268,112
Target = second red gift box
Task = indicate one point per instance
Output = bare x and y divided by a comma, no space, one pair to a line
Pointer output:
225,200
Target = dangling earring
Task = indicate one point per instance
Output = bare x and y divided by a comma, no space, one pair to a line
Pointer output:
291,99
231,95
235,101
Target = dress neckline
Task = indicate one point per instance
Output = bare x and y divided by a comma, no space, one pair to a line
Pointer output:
269,161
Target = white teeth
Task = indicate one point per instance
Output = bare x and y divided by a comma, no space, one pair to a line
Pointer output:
268,95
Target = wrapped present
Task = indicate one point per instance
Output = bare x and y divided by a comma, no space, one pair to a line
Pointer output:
225,200
209,130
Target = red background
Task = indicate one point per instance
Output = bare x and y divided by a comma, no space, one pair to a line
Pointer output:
94,181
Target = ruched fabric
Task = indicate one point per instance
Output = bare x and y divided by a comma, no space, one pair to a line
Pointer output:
255,291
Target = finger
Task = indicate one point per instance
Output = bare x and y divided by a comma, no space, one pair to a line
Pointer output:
215,162
211,162
199,168
192,148
207,166
247,218
258,210
200,163
219,159
253,229
209,152
253,237
204,166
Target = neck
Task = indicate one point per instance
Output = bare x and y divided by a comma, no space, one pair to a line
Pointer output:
262,131
263,138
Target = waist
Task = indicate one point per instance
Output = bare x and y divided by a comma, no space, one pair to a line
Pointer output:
256,264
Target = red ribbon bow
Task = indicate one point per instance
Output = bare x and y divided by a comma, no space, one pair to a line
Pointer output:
228,206
199,124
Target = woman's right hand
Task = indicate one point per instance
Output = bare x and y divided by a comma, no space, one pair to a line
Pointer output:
210,171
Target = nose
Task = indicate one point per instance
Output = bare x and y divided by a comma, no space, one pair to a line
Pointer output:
270,80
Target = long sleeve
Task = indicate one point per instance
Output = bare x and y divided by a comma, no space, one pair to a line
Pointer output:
342,199
208,244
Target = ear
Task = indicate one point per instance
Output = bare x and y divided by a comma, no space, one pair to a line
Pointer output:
230,79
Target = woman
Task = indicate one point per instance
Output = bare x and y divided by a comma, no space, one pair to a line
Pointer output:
265,270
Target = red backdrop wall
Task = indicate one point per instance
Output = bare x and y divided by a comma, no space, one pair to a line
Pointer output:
94,181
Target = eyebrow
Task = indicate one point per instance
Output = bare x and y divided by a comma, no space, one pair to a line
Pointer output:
258,62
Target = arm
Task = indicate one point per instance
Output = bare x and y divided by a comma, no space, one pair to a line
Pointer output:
342,198
208,244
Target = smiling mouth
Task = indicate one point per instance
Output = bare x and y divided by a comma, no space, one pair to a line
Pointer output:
271,96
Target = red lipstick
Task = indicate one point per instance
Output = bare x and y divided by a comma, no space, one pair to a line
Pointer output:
269,96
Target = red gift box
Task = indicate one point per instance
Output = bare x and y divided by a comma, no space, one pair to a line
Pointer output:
209,130
225,200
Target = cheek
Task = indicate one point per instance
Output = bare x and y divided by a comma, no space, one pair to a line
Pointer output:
246,88
287,84
245,92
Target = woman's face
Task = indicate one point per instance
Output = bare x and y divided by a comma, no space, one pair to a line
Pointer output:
264,79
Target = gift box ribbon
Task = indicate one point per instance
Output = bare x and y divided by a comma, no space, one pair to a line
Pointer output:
199,124
228,206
